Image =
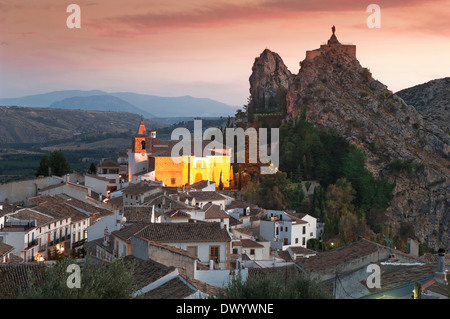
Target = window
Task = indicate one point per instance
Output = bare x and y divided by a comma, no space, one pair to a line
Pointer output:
304,241
285,229
192,250
214,253
143,145
173,180
304,230
296,240
252,251
235,251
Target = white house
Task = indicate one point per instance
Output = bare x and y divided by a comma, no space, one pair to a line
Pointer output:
284,230
31,233
207,241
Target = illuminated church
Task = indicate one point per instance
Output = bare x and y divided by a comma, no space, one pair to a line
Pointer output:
150,158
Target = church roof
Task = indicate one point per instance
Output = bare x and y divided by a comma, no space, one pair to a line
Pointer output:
142,131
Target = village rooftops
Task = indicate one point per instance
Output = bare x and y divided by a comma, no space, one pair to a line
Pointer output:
140,188
201,184
334,257
204,196
248,243
29,215
176,232
5,249
130,230
109,163
213,211
60,207
16,277
139,213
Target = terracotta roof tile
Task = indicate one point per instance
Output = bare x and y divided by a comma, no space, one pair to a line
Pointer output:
248,243
172,289
5,249
213,211
339,255
15,277
147,271
190,232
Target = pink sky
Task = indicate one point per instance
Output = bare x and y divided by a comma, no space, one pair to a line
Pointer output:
206,48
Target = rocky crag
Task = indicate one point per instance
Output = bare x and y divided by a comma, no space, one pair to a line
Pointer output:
432,100
337,93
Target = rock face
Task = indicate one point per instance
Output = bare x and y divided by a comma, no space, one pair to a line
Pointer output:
269,81
432,100
337,93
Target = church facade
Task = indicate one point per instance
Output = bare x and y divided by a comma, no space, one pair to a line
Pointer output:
150,158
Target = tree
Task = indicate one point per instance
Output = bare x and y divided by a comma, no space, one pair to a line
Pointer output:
92,169
56,163
98,281
282,283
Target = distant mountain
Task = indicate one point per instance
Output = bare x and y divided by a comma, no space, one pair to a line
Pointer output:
46,99
183,106
39,125
99,103
143,104
432,100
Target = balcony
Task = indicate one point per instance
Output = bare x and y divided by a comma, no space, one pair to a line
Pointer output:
32,244
78,243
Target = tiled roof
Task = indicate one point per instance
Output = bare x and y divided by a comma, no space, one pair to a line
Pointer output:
393,276
178,214
297,218
139,188
6,208
201,184
202,286
173,249
5,249
298,250
213,211
172,289
248,243
139,213
206,196
90,209
31,214
15,277
57,207
240,204
336,256
130,230
147,271
118,200
109,163
185,232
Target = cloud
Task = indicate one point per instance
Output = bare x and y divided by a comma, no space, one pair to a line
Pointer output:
227,14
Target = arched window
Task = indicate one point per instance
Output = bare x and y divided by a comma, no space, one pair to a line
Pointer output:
143,145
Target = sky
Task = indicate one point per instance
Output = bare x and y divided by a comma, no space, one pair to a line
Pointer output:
206,48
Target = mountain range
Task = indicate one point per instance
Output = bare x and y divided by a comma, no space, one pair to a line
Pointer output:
337,94
149,106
